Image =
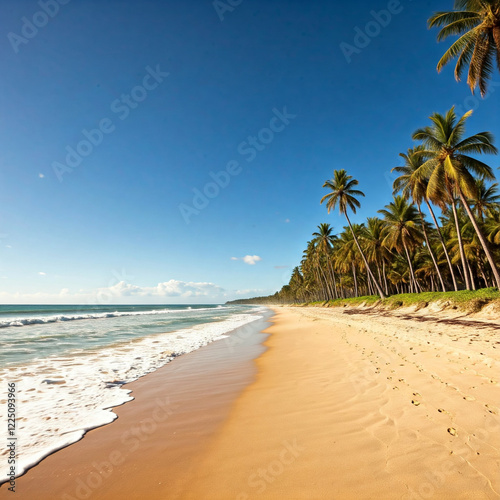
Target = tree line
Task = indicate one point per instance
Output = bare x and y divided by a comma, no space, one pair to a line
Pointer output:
399,250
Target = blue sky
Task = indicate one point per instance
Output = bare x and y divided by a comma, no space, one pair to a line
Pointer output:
114,227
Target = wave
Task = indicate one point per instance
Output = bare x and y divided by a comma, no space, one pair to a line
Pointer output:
81,390
58,318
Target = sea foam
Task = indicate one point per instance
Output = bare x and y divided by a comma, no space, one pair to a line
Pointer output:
59,398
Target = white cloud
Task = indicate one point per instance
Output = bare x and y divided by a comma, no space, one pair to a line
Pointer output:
41,176
248,259
172,291
41,273
287,221
8,246
251,259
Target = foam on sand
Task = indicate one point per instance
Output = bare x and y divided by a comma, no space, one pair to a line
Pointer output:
60,398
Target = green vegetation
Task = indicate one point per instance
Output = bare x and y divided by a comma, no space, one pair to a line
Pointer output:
464,300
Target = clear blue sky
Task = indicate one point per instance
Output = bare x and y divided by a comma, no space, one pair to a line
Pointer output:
116,218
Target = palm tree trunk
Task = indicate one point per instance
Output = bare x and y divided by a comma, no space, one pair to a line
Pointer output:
385,277
460,243
355,279
369,285
368,270
412,274
482,271
430,249
332,274
481,238
450,265
327,285
328,291
473,283
320,282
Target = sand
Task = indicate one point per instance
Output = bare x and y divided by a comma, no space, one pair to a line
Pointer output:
368,406
156,439
345,404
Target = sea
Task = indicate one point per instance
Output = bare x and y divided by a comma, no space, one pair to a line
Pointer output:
68,364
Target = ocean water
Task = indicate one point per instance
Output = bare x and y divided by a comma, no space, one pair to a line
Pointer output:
69,363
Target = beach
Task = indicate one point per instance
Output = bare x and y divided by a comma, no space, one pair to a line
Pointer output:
336,404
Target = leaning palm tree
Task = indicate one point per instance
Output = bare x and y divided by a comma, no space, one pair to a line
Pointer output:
416,188
344,194
449,168
402,230
477,23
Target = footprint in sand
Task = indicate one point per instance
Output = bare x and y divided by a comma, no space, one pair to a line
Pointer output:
415,402
492,409
452,431
469,398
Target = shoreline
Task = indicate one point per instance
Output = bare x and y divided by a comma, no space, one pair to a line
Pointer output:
334,405
175,409
58,398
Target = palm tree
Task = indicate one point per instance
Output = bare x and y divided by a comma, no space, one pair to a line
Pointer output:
348,255
325,239
449,167
402,231
486,199
416,188
477,22
376,251
311,258
343,193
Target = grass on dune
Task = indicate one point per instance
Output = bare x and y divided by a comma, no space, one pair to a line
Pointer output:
471,301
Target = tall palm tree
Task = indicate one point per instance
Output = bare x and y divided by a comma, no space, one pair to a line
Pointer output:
344,194
415,187
402,231
449,168
477,22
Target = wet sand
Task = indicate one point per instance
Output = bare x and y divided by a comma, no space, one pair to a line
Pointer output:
345,404
153,444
